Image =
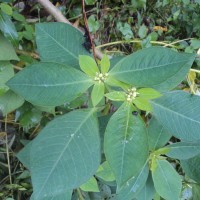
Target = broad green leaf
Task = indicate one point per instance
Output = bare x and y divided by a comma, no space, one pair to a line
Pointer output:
104,172
6,8
90,186
49,84
134,185
65,154
147,191
6,72
105,64
154,67
67,195
7,51
88,65
179,113
8,29
9,102
191,168
166,180
60,42
148,93
196,192
142,104
125,144
158,136
116,96
97,93
183,150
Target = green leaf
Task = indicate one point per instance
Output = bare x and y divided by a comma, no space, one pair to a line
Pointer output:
191,168
6,72
195,43
142,104
104,172
6,8
147,191
7,51
116,96
125,140
93,24
97,93
90,2
179,113
105,64
183,150
90,186
134,185
9,102
49,84
65,154
148,93
60,42
158,136
115,83
8,29
155,67
88,65
166,180
67,195
17,16
196,192
142,31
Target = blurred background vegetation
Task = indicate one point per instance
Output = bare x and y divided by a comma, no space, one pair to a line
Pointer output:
118,27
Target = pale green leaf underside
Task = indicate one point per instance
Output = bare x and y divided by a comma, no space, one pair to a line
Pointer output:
125,139
155,67
49,84
65,154
166,180
90,185
179,112
183,150
60,42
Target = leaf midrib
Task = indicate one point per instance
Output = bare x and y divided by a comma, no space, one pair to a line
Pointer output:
147,68
64,149
64,48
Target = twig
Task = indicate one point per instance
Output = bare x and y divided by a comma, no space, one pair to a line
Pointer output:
26,53
7,153
80,196
87,27
51,9
178,41
17,68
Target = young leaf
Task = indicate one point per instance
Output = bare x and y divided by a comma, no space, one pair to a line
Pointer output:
88,65
179,113
105,64
7,51
158,136
183,150
115,83
97,93
6,8
9,102
166,180
49,84
148,93
104,172
154,67
90,186
134,185
142,104
191,168
65,154
116,96
60,42
125,140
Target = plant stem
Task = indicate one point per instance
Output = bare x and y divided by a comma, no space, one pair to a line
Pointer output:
80,194
195,70
178,41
